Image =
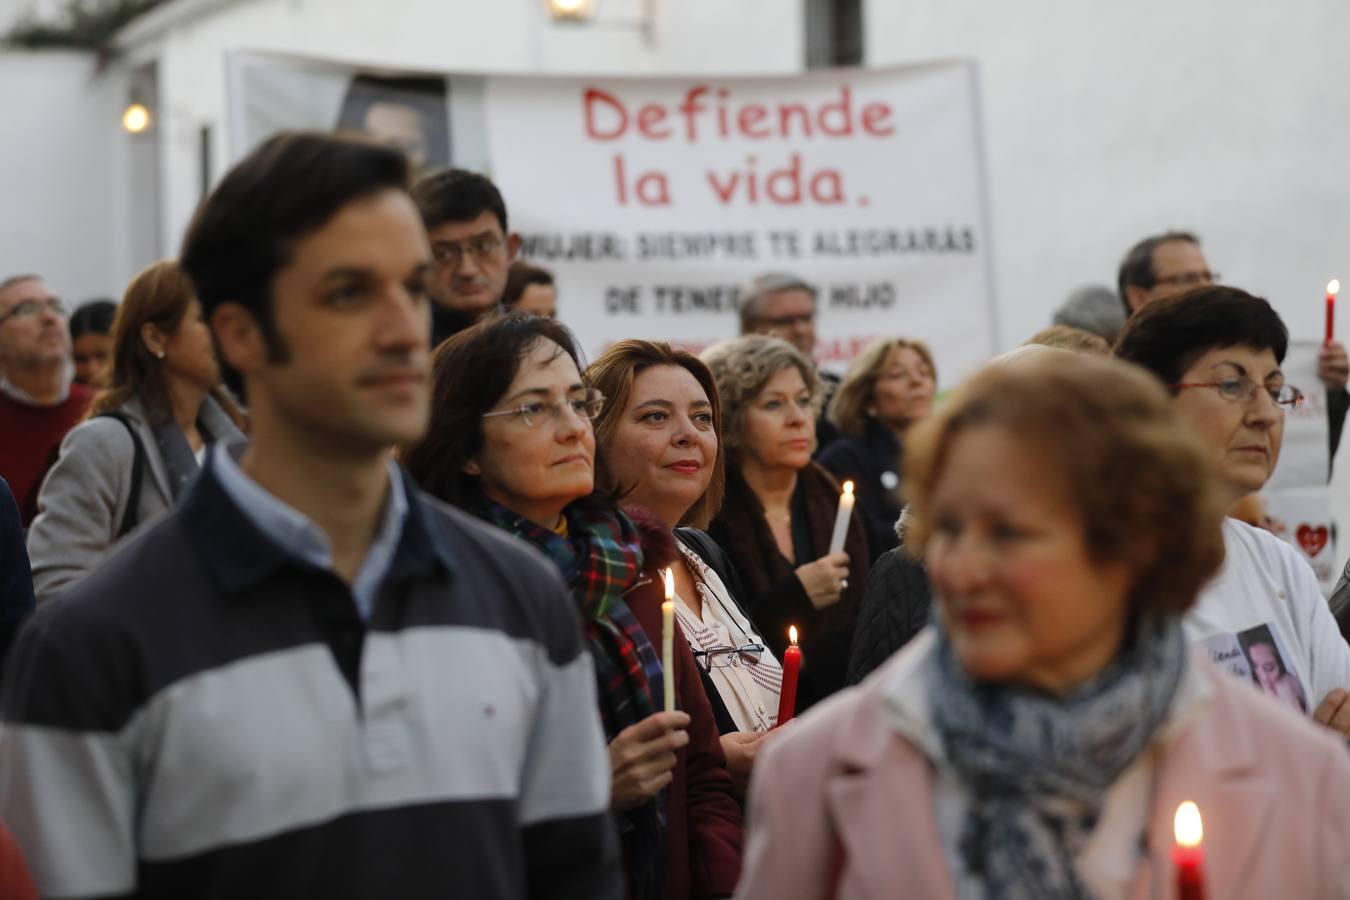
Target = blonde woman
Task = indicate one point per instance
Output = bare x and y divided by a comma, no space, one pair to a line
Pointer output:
888,388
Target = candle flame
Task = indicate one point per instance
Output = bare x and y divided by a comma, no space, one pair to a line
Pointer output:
792,634
1190,832
1334,286
848,487
668,576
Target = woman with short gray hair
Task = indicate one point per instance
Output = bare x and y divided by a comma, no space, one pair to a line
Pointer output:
778,514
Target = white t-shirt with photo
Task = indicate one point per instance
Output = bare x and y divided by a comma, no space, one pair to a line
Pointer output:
1266,594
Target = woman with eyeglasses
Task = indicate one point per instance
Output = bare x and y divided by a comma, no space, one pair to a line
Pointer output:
1039,739
887,389
658,438
511,441
146,435
777,519
1219,349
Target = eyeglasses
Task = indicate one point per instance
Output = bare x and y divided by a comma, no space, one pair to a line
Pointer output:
1189,279
722,657
1243,390
30,308
451,253
586,405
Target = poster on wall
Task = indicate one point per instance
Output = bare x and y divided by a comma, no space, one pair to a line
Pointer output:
655,201
1297,497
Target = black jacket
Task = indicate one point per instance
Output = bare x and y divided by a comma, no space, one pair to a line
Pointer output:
896,607
16,579
872,463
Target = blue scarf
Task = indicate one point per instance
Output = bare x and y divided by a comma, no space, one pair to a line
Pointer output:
1037,767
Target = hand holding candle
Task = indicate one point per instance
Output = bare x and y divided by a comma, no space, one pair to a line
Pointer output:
787,694
1188,855
668,641
1333,288
842,517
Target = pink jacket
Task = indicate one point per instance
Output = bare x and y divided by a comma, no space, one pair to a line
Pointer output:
842,806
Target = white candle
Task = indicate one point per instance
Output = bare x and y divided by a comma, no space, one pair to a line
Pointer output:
841,520
668,641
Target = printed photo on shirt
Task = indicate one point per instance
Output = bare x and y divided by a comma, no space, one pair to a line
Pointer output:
1266,657
1258,655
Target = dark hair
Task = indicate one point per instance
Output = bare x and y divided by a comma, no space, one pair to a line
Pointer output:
93,317
471,373
1261,634
425,96
283,191
614,373
520,276
1136,269
1167,336
1109,435
457,195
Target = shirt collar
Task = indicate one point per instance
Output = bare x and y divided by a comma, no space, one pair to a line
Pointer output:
280,532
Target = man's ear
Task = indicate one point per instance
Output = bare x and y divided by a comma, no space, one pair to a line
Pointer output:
471,468
238,338
512,246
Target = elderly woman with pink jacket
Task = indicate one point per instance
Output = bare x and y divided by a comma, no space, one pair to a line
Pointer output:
1038,740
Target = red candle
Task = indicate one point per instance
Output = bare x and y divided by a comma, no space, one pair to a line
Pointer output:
1333,288
1188,855
792,663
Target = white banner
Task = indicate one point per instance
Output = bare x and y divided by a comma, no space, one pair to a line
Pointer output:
1297,497
654,201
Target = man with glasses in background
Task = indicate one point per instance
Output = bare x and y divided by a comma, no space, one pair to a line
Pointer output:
465,218
782,305
1171,262
38,401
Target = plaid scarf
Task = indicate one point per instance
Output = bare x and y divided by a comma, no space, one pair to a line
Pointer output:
600,558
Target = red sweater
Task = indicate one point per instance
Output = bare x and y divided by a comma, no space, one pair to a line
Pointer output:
15,883
30,437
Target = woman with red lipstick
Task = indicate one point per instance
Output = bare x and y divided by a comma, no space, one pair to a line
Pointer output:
778,516
659,441
1038,740
1219,349
511,441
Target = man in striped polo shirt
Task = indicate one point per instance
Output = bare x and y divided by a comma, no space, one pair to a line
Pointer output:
311,680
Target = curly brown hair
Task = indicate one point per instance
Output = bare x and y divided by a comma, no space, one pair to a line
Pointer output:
1129,464
742,367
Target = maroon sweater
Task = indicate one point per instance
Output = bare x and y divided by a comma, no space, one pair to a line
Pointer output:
30,437
703,820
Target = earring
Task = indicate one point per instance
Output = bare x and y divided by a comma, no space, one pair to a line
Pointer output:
159,355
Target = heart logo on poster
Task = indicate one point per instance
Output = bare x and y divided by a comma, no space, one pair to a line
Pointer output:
1311,539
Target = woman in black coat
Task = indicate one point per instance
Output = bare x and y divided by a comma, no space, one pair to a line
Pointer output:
888,388
778,515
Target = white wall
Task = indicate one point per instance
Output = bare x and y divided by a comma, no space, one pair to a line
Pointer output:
1105,122
692,36
66,195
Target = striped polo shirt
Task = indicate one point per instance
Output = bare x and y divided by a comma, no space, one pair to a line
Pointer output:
208,715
